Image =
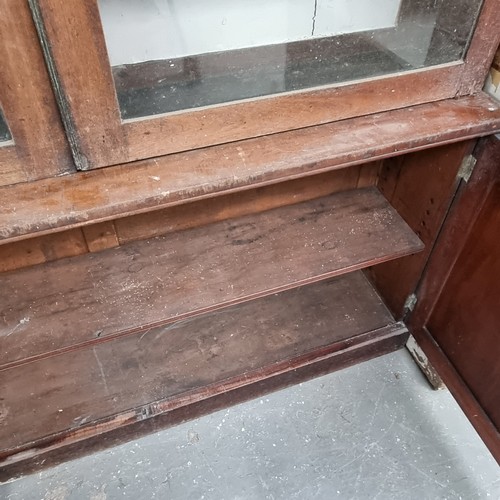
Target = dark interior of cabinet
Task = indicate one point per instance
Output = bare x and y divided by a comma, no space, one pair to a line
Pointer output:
209,303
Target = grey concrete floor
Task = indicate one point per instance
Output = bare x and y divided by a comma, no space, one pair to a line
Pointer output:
372,431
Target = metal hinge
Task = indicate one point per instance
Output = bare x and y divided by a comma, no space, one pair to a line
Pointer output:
411,302
466,168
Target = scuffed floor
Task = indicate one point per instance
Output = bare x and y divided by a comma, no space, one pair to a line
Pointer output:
372,431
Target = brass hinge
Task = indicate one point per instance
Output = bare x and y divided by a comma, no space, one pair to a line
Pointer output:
466,168
411,302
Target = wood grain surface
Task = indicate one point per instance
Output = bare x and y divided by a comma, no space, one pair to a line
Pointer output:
85,198
198,213
56,451
110,234
99,137
421,187
46,248
466,318
456,316
39,148
79,394
85,299
482,48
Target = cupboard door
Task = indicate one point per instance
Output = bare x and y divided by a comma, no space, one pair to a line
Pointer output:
466,319
458,315
32,140
146,78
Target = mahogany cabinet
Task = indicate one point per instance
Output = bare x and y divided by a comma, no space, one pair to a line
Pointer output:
194,216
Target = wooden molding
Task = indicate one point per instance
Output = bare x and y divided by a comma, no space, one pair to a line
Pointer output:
39,148
42,207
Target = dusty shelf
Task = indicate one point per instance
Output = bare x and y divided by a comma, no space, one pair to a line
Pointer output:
88,299
97,395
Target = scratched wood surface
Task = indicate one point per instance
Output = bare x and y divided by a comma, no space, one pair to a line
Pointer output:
87,298
456,317
39,148
81,199
77,394
110,234
466,318
198,213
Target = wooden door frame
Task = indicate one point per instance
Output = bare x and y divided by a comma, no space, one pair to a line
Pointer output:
463,214
75,49
38,148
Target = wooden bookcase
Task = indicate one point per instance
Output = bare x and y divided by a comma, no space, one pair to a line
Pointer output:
209,256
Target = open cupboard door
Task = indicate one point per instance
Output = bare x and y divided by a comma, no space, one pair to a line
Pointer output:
457,317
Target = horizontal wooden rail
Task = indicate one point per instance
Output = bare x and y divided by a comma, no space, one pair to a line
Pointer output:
61,203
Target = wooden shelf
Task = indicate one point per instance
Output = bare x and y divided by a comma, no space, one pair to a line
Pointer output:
103,347
93,396
57,204
86,300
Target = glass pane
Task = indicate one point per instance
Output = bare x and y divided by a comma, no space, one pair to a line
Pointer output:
171,55
4,130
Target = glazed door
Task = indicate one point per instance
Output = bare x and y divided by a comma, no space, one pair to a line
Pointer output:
145,78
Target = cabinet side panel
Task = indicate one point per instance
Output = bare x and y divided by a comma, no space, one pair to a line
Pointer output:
420,186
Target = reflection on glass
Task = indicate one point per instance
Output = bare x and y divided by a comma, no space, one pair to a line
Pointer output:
4,130
171,55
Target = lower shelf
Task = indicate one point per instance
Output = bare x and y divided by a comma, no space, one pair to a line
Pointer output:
95,396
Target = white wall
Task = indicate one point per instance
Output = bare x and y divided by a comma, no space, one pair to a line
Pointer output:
143,30
348,16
